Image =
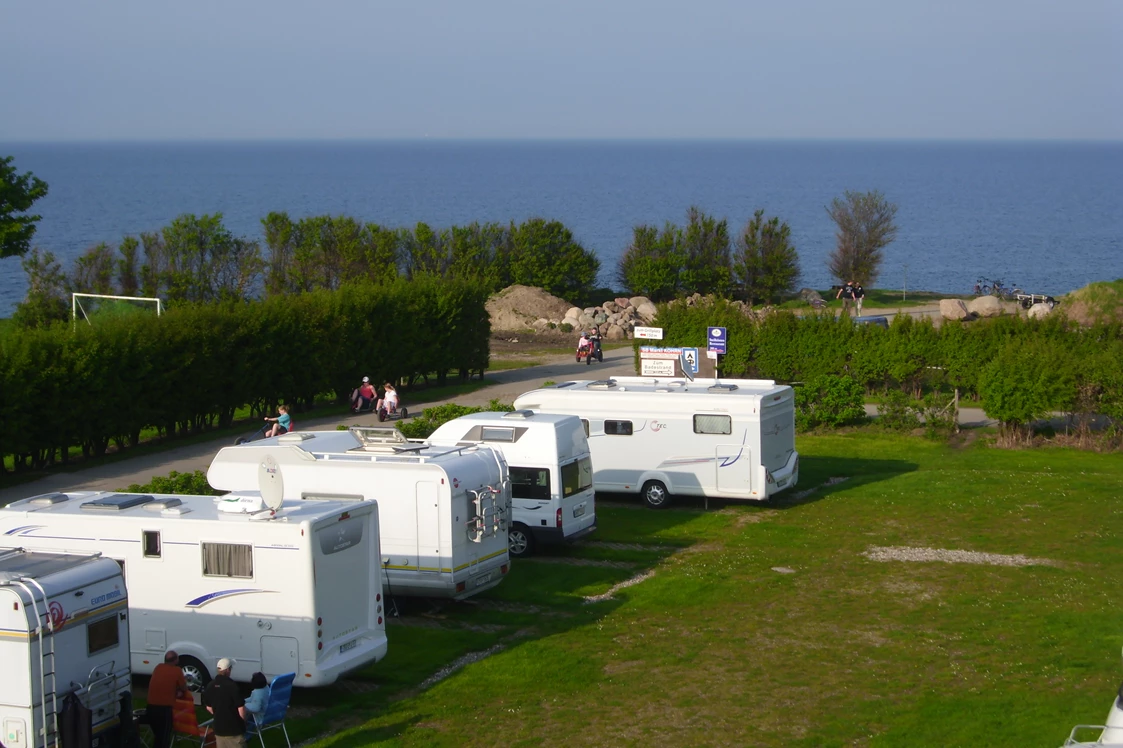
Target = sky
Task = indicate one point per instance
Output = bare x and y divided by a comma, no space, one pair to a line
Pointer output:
580,69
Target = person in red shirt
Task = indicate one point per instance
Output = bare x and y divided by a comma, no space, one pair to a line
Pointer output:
362,397
166,685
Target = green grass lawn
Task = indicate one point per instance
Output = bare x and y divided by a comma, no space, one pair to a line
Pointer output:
717,647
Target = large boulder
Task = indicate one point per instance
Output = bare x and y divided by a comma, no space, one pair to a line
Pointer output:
986,306
622,302
637,300
953,309
1039,310
808,295
518,307
615,332
646,311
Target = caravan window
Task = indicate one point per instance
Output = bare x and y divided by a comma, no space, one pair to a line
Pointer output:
101,635
228,560
530,483
707,424
151,543
585,424
618,428
577,476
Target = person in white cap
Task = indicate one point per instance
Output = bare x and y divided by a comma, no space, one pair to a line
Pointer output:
363,396
222,699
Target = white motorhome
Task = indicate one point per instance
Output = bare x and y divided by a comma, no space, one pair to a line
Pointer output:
659,437
443,511
552,499
64,641
281,588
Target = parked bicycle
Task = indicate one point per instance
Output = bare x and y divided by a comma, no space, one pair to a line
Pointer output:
988,287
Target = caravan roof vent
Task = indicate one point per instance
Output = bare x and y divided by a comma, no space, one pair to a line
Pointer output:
49,498
116,502
601,384
379,438
295,437
662,389
519,415
159,505
721,388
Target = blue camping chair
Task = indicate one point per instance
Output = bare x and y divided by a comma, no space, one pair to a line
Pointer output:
280,691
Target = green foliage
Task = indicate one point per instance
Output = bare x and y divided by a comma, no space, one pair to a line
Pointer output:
18,192
829,400
1024,382
765,263
664,264
433,418
650,265
544,254
189,484
896,412
45,302
865,226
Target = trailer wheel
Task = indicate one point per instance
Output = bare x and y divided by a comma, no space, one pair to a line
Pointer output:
520,542
655,495
195,673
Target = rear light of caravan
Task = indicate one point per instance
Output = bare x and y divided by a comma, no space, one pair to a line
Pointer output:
461,586
557,520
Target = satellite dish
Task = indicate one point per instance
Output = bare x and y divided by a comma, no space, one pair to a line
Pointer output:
685,366
270,482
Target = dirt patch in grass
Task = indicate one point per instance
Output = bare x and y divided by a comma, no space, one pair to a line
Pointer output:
622,585
742,518
905,553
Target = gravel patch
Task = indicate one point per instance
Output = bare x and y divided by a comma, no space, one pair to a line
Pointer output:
622,585
830,482
467,659
905,553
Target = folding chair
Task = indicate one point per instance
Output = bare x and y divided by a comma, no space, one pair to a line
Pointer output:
186,726
273,716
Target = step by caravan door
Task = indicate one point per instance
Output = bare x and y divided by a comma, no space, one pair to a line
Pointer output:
734,470
428,526
279,655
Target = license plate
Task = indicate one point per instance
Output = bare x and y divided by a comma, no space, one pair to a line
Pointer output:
481,580
578,510
349,645
782,483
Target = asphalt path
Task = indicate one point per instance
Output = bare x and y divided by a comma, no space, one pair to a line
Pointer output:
504,386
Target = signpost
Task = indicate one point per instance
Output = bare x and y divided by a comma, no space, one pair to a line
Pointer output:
649,333
715,339
690,360
656,367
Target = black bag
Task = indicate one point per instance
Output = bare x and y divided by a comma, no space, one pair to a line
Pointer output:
76,723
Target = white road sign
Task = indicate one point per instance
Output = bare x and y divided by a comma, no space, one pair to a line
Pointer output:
655,367
649,333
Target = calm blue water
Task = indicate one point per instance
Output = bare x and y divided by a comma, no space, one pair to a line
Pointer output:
1048,217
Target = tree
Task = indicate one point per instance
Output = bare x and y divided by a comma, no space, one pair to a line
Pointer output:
18,192
46,291
765,263
544,254
651,265
865,227
705,251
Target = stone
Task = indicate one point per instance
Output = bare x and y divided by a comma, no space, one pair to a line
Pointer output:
1040,310
609,306
615,332
953,309
986,306
574,322
637,300
623,303
646,311
809,294
574,312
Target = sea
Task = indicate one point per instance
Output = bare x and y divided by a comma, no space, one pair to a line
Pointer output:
1046,217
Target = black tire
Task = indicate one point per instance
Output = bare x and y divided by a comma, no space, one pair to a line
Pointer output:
195,673
588,359
405,413
655,495
520,541
600,356
578,358
381,415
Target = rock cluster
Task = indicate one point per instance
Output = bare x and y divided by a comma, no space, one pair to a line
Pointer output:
615,320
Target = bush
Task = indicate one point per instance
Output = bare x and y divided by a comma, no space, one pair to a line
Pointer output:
829,400
1024,382
433,418
897,412
190,484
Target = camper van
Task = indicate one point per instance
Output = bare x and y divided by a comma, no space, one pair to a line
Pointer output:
64,645
733,439
443,510
547,454
281,588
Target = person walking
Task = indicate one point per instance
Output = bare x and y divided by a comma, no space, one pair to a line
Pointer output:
859,294
222,699
165,686
846,293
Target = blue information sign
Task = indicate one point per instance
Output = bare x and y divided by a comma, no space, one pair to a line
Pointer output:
715,337
690,360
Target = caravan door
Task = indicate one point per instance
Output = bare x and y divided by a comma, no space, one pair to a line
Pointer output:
428,526
734,470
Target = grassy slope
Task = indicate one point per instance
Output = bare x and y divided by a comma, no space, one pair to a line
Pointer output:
719,649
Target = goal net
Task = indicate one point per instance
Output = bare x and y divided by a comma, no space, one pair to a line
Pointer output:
92,306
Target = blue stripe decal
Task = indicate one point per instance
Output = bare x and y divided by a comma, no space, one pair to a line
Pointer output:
20,530
210,597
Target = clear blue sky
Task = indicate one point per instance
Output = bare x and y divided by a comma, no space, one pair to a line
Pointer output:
251,69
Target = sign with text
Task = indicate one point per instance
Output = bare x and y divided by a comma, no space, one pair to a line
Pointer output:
650,351
656,367
649,333
715,339
690,360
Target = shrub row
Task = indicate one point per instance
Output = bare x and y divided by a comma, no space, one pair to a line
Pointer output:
1068,368
196,365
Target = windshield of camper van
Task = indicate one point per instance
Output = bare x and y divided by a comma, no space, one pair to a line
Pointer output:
530,483
577,476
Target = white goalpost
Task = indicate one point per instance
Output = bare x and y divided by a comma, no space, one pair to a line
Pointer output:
76,305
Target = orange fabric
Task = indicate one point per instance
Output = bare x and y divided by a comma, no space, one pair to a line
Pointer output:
162,685
185,721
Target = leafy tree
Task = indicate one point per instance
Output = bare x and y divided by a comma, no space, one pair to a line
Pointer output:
651,265
1024,382
765,262
705,252
545,254
278,228
200,260
93,271
18,192
865,226
46,291
128,277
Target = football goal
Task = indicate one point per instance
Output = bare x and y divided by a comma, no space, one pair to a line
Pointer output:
94,305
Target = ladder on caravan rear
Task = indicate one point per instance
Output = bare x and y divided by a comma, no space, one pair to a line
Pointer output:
46,734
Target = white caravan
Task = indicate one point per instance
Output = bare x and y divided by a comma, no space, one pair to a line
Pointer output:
659,437
443,511
552,499
64,642
280,588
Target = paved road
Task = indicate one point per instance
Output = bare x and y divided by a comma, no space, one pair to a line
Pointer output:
507,386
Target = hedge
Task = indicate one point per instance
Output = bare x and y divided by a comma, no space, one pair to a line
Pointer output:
193,367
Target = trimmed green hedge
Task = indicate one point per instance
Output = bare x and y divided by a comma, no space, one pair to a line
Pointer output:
196,365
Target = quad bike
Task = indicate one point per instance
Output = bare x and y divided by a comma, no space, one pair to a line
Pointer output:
590,352
259,434
391,413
